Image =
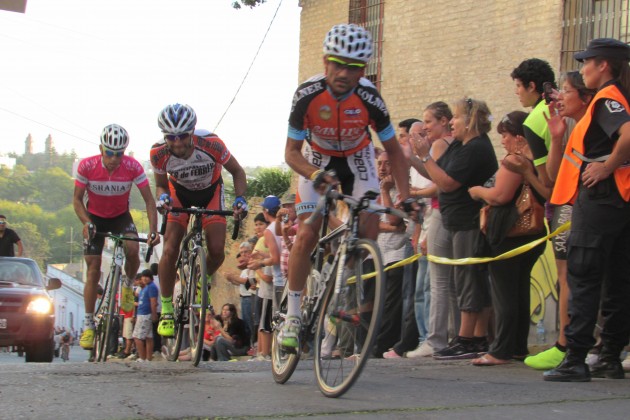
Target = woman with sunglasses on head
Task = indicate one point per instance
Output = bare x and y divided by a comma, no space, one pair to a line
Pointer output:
436,301
107,179
594,176
510,279
187,167
567,107
469,160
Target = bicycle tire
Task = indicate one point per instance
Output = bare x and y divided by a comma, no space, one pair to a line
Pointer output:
109,317
347,314
180,310
198,303
283,362
99,332
180,313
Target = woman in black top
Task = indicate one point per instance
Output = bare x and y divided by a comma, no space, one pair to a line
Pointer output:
469,160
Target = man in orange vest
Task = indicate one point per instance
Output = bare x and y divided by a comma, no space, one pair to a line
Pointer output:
594,176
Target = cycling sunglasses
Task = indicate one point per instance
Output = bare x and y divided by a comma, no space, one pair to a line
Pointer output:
113,153
344,64
175,137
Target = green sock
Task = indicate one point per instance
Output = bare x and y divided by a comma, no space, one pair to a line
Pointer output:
167,305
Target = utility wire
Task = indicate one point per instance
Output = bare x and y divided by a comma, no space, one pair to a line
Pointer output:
250,67
48,126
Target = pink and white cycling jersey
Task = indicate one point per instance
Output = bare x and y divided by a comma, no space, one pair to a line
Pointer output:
108,195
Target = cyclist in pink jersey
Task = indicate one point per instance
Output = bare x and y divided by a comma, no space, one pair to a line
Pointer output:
107,178
187,166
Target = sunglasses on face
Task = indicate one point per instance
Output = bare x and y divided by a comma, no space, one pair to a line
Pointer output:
113,153
340,64
3,223
175,137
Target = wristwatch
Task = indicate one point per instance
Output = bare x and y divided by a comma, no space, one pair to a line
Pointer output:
425,159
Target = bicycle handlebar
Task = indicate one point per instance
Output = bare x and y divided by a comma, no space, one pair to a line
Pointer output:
333,194
147,256
200,211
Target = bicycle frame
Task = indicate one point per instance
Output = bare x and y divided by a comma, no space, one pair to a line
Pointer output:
109,305
191,303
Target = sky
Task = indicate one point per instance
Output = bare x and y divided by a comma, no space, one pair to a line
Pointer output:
71,67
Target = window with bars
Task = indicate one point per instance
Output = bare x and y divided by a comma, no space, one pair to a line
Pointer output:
369,14
584,20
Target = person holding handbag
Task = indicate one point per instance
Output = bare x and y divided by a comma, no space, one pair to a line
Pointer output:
510,278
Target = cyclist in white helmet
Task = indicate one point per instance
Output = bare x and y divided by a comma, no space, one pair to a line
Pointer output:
332,112
187,168
107,179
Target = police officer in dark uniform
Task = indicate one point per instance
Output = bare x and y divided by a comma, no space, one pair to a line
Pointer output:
595,177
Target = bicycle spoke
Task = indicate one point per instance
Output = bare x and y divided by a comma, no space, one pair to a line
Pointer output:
349,319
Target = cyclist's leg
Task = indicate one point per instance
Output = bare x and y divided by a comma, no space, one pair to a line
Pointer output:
92,255
175,231
132,249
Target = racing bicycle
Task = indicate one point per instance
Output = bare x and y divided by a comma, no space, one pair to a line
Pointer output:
108,307
191,300
342,302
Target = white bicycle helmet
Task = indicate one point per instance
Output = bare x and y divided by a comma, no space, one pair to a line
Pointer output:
114,137
349,41
177,119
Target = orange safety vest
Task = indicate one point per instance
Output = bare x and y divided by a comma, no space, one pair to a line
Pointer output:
565,190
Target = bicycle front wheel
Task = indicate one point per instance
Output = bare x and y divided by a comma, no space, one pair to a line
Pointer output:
349,319
105,316
198,301
180,313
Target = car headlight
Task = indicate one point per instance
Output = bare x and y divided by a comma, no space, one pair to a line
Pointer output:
40,306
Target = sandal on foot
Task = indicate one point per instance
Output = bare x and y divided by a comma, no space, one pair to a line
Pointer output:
488,360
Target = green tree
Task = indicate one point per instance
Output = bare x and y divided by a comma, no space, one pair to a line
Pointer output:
269,181
54,188
35,246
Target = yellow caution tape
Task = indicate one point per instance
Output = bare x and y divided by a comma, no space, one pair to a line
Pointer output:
473,260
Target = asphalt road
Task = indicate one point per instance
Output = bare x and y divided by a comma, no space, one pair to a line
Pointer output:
387,389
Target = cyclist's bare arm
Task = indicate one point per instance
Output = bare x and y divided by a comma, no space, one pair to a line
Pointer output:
161,184
238,174
400,171
80,209
149,202
295,160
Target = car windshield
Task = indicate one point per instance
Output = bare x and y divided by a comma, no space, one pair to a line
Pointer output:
18,272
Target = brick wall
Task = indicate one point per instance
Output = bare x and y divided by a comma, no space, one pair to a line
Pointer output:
447,50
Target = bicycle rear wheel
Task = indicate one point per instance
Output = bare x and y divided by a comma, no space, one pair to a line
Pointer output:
349,318
198,302
283,360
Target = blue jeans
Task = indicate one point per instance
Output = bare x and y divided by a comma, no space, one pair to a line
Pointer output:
422,298
247,313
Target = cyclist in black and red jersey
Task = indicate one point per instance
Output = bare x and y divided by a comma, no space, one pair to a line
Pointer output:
107,178
332,112
187,167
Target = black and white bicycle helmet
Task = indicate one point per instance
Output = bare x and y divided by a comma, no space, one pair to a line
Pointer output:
114,137
349,41
177,119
